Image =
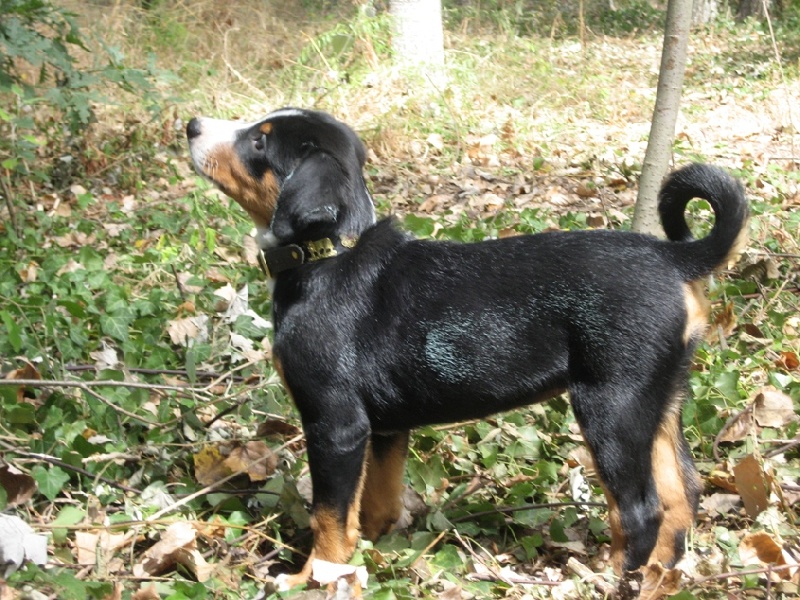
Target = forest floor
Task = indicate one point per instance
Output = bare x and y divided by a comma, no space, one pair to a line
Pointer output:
159,452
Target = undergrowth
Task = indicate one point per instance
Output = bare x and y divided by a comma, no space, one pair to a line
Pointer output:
130,291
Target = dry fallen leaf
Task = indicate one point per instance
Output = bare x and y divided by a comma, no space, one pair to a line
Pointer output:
762,549
753,485
276,427
147,593
209,465
721,504
188,331
20,487
659,582
254,458
27,371
177,546
788,361
773,408
739,428
724,323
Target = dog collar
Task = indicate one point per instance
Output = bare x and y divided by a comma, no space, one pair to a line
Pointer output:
282,258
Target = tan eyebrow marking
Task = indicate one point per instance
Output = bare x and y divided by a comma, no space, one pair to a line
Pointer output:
266,128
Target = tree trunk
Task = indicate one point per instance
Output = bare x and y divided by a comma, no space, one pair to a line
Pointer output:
753,8
662,131
704,11
418,38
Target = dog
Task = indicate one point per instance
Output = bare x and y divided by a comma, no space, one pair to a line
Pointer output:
377,333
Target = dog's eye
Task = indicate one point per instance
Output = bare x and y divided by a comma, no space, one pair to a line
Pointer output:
259,143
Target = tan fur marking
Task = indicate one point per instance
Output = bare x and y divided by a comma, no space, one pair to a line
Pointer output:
739,245
697,309
382,499
257,196
266,128
676,507
618,538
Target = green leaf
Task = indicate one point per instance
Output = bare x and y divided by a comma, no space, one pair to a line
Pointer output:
557,531
448,559
116,325
69,515
22,414
12,331
50,481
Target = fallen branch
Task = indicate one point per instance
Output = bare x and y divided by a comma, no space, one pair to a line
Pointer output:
513,509
64,465
732,574
586,574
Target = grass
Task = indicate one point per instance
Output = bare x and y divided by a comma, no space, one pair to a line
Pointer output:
117,258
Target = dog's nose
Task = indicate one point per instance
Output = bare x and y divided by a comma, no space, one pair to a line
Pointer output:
193,128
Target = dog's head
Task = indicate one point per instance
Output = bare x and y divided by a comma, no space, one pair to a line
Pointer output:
298,173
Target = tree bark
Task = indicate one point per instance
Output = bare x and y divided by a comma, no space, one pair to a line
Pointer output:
418,36
662,131
753,8
704,11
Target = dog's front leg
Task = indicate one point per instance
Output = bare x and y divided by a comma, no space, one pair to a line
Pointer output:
336,458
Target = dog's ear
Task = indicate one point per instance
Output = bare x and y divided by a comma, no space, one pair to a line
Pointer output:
311,200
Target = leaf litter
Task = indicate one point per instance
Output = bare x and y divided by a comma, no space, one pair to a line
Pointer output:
509,161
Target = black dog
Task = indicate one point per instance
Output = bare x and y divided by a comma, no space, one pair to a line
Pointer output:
377,333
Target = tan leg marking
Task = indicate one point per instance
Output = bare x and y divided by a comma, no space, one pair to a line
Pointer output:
382,500
671,485
619,540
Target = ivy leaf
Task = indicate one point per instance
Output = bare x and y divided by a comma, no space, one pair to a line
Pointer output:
13,331
116,325
50,481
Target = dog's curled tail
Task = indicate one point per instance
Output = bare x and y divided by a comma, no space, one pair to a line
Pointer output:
728,236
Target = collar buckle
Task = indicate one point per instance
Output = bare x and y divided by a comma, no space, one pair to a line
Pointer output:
282,258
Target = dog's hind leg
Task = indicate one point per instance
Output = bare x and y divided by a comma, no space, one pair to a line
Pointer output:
646,470
678,485
382,498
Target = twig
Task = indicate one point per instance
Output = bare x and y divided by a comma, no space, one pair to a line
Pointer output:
511,579
86,387
728,424
181,288
12,212
479,559
785,447
60,463
732,574
143,371
103,383
513,509
586,574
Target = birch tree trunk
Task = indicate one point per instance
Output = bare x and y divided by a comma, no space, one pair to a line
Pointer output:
704,11
418,35
662,130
